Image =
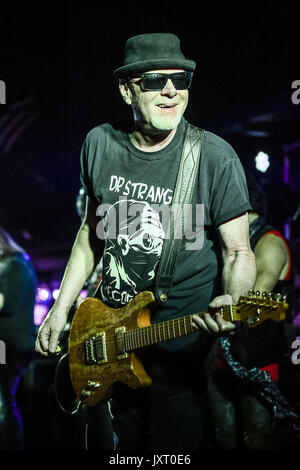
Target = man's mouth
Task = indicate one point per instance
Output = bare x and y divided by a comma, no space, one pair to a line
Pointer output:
167,105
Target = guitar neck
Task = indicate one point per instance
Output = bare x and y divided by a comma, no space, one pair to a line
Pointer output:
159,332
170,329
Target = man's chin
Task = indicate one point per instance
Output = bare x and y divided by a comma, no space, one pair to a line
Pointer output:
164,124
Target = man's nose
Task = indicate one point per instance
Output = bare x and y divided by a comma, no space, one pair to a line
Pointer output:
169,89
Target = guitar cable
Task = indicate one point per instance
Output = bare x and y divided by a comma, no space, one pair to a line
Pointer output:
76,410
78,406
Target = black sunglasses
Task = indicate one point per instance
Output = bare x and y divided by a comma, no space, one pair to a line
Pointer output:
157,81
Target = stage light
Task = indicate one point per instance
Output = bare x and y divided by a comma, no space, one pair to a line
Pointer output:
39,313
43,294
84,293
262,162
55,293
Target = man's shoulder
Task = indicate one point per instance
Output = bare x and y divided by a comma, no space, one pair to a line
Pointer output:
218,145
17,263
107,129
97,132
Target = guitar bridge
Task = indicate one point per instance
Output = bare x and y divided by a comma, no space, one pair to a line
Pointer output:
95,349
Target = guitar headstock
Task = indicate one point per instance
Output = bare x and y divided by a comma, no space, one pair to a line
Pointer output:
257,308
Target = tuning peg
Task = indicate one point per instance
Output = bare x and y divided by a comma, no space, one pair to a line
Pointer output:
277,297
264,295
270,295
257,293
284,298
251,292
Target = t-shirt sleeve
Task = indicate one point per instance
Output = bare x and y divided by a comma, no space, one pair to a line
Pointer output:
13,285
84,168
231,193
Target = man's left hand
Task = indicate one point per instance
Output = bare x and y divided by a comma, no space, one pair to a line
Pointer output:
213,322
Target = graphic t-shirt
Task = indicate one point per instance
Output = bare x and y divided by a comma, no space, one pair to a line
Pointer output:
133,190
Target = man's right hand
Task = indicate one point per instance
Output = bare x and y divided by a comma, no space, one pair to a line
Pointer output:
49,331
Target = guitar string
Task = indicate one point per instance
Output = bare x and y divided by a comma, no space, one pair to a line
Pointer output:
158,326
132,339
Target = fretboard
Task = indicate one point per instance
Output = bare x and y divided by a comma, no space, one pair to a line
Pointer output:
164,331
158,332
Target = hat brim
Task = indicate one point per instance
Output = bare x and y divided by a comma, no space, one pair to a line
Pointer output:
146,65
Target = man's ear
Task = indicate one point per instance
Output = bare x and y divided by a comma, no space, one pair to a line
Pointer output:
125,91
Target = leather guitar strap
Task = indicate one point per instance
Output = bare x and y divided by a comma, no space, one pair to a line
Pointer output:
185,182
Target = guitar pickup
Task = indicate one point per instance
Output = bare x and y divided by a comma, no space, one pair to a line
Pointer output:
119,342
95,349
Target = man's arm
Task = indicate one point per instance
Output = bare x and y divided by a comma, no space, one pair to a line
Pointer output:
85,255
239,271
272,260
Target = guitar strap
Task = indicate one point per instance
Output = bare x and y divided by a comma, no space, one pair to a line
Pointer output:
185,182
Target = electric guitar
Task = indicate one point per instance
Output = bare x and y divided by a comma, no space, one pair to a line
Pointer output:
103,339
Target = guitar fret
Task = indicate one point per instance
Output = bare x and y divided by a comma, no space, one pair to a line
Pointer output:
184,324
151,335
168,323
140,337
131,340
173,323
135,339
179,329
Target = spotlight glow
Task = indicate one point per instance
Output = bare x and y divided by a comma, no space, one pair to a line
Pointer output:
262,162
39,313
84,293
43,294
55,293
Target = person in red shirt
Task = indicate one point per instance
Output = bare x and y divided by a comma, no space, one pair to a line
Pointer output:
241,418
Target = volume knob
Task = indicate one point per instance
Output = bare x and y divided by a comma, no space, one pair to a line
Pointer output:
92,384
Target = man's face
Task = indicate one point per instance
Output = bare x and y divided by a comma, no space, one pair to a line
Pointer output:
156,110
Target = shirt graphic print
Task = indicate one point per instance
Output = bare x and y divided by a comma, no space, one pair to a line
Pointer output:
134,237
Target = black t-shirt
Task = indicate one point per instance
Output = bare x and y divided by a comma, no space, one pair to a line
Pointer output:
134,191
18,285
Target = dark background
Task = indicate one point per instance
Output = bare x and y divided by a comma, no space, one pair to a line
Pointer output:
57,59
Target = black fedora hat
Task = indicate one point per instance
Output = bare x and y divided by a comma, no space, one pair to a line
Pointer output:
153,51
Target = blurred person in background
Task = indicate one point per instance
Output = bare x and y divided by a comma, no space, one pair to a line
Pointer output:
17,332
241,418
